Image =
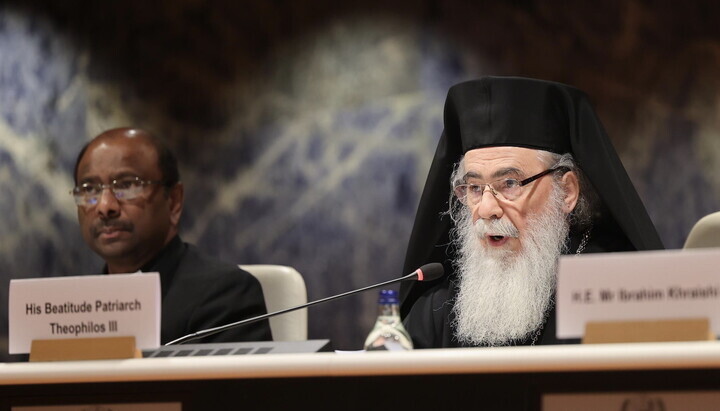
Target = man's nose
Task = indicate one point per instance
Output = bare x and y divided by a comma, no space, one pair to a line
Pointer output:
108,205
488,207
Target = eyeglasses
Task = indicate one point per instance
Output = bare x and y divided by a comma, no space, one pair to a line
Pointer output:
88,194
506,188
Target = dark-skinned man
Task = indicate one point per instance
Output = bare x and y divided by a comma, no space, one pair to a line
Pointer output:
129,200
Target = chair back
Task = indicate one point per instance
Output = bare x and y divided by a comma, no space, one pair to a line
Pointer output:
705,233
283,287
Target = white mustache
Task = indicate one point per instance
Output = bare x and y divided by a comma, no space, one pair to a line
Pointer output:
503,228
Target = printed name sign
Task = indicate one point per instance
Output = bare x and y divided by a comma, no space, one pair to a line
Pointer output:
117,305
637,286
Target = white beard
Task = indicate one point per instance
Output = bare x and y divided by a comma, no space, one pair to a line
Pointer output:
504,296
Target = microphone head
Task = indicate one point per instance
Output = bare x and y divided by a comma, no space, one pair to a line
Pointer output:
429,272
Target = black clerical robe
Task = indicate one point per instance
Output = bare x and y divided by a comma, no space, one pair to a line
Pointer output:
200,292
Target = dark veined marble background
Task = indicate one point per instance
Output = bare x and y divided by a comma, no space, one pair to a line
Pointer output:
305,129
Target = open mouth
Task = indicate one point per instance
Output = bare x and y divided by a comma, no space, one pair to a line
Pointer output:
496,233
496,240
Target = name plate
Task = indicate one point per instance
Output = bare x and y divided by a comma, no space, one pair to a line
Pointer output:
117,305
632,286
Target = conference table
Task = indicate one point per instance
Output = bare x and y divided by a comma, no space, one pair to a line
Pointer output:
628,376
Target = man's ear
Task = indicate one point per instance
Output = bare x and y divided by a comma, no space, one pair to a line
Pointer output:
572,191
177,197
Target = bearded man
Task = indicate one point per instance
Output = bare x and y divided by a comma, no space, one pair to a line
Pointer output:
530,174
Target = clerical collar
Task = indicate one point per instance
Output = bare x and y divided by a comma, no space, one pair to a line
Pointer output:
166,259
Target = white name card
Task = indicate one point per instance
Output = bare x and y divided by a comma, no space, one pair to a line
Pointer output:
637,286
117,305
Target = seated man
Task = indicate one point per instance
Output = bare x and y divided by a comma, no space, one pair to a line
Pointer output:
531,175
129,199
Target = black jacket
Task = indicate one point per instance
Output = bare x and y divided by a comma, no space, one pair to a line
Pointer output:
199,292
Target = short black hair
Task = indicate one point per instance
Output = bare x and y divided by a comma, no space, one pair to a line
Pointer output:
166,158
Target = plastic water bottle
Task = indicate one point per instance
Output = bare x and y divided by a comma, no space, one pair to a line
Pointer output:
388,332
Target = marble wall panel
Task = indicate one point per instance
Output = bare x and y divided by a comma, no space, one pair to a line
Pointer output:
305,129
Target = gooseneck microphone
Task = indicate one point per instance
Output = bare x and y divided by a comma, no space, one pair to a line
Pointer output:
427,272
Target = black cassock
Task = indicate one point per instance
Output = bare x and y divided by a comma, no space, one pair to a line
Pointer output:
200,292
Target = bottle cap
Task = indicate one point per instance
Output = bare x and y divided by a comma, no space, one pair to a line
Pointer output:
388,297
